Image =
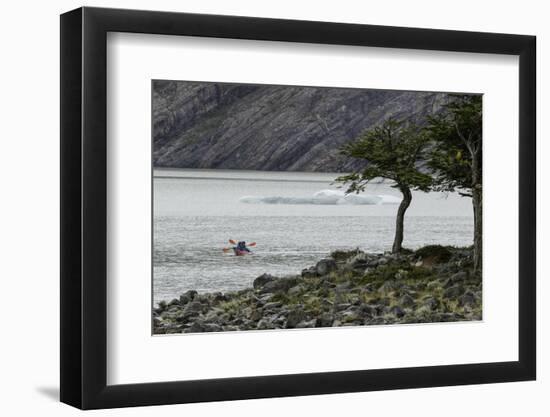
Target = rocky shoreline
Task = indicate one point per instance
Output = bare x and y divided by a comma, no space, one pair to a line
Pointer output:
348,288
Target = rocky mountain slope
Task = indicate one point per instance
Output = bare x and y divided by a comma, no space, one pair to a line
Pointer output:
272,128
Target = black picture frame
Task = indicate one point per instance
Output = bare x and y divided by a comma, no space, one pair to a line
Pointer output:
84,207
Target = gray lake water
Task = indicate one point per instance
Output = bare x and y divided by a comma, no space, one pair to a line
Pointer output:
295,218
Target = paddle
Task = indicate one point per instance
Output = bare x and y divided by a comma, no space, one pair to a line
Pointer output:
232,242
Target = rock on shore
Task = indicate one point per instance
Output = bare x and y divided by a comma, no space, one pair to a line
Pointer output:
349,288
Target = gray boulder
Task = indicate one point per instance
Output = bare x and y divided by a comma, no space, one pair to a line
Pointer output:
194,308
389,286
324,320
294,317
351,316
174,302
218,297
213,327
325,266
187,296
262,280
369,288
272,305
453,292
431,302
265,324
467,300
256,315
306,324
264,298
278,284
298,289
397,311
197,327
459,277
213,315
383,261
406,301
367,310
310,272
341,306
360,262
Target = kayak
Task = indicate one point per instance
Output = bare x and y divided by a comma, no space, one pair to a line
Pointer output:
240,252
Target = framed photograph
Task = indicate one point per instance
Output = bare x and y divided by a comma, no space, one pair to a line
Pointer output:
258,208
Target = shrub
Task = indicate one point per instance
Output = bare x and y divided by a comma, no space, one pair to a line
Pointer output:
344,255
436,252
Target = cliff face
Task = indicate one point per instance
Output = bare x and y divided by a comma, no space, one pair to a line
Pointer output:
271,128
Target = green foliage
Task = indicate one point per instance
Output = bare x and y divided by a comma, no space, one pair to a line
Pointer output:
283,297
457,137
403,271
313,304
234,304
456,157
343,255
420,273
393,151
385,272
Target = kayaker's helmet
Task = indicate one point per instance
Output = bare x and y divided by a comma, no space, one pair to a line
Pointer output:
241,244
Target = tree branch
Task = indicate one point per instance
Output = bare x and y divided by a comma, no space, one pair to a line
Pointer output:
464,140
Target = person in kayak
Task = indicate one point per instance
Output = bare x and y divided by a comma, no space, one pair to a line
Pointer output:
241,248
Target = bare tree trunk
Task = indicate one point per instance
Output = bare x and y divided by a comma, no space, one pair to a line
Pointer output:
478,235
477,202
405,203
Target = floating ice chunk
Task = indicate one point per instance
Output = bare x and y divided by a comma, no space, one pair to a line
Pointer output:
325,197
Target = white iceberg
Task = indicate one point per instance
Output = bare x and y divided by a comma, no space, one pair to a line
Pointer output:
325,197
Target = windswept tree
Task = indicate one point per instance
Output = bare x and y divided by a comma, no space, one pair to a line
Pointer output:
456,156
393,151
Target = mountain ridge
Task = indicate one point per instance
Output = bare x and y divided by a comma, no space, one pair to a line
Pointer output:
271,127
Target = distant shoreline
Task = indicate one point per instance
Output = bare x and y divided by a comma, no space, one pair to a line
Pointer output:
248,175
